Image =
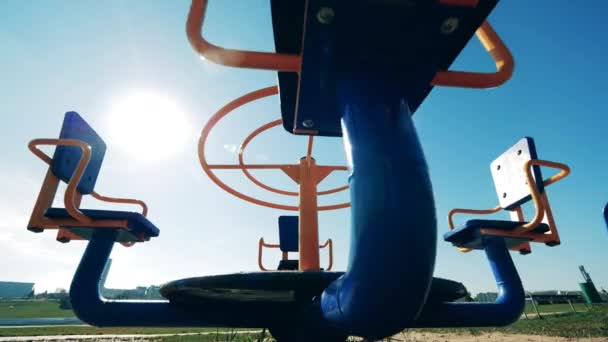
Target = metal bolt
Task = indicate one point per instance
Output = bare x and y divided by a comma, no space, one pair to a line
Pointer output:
308,123
326,15
449,25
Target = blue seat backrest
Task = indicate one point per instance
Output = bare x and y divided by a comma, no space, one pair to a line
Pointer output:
288,233
509,176
66,158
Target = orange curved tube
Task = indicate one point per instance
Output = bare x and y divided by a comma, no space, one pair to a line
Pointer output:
536,198
70,191
499,52
469,211
252,96
219,115
261,245
247,173
234,58
142,204
329,243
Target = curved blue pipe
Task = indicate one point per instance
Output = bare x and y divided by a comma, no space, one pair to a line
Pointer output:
507,308
90,307
393,232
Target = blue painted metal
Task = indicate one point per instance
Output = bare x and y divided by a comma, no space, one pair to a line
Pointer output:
66,158
136,223
469,235
92,308
393,233
507,308
405,37
288,233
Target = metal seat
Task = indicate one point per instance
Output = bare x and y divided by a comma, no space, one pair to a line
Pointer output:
77,161
138,228
289,242
517,180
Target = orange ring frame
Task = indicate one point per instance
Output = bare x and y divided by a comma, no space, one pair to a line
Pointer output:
220,114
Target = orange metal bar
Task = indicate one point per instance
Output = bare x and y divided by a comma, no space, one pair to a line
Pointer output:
70,192
499,52
517,215
261,245
264,92
536,196
311,139
143,205
234,58
552,237
245,166
244,169
44,200
309,219
331,253
470,211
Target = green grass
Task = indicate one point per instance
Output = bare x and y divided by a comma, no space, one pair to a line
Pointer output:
584,323
592,323
579,307
32,309
88,330
215,338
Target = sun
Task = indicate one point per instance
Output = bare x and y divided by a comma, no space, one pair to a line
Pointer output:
148,126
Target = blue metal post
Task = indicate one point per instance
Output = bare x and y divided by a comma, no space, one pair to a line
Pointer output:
393,233
507,308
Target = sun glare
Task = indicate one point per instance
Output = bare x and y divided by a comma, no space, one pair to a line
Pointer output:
148,127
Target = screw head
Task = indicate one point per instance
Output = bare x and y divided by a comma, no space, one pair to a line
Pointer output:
326,15
449,25
308,123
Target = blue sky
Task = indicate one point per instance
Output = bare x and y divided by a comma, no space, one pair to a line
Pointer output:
93,57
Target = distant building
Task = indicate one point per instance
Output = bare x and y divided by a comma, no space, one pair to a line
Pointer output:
15,290
140,292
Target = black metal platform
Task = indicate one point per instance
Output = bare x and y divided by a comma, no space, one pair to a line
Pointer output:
408,39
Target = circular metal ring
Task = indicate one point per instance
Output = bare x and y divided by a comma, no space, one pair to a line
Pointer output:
252,178
220,114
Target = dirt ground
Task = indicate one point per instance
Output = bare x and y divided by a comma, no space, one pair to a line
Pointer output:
491,337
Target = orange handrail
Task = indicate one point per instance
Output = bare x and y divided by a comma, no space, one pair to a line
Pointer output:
142,204
262,244
329,243
469,211
499,52
535,193
230,57
70,191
